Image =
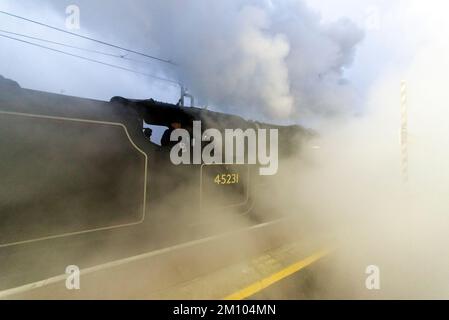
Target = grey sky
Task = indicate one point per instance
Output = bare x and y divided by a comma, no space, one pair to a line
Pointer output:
261,59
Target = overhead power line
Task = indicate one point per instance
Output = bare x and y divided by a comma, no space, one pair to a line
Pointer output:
88,38
173,82
72,46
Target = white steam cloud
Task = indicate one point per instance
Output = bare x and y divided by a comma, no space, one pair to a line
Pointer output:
272,59
273,56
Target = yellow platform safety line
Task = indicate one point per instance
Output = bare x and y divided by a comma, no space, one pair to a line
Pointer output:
278,276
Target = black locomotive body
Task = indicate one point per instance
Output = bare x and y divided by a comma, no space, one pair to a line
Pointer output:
80,181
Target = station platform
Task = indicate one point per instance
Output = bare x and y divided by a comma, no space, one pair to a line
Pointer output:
236,265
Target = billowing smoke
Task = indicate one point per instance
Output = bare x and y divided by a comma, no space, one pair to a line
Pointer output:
274,55
352,187
272,59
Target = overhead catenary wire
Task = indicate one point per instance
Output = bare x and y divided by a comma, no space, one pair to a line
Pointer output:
88,38
172,82
72,46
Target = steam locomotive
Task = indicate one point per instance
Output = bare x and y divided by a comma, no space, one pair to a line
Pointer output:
79,177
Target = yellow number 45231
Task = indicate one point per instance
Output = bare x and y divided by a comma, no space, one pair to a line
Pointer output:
228,178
